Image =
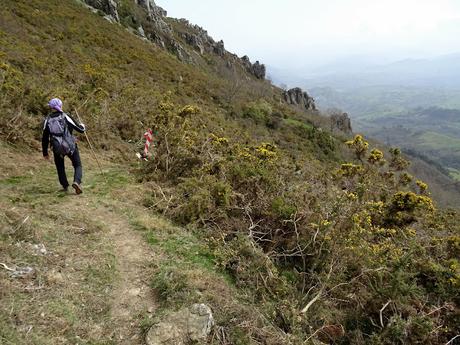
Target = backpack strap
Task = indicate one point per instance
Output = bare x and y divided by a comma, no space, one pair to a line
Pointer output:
45,123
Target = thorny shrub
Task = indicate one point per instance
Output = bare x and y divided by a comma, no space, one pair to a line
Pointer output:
362,228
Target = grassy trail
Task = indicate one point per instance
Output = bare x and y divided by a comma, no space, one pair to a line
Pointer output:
92,268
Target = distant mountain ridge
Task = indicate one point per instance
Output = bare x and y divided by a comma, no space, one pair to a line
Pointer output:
442,71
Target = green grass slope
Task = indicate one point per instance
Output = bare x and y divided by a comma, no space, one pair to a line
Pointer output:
290,235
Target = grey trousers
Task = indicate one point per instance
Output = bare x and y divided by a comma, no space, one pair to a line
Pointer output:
60,167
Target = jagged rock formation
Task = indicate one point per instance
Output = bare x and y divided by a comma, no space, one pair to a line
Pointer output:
341,122
157,30
300,98
178,50
198,38
195,41
156,15
149,5
219,48
109,7
257,69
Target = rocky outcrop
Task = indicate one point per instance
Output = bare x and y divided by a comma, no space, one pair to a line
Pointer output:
109,7
299,98
257,69
157,39
198,39
141,32
341,122
219,48
175,48
147,4
152,8
156,14
159,22
188,325
195,41
155,28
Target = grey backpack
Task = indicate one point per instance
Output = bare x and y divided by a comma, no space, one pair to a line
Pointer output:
62,140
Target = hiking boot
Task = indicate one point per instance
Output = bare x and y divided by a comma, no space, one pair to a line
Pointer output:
77,188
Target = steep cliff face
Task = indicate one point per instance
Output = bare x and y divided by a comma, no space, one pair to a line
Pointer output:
299,98
187,41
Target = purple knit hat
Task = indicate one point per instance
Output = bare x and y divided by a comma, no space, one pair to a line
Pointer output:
56,104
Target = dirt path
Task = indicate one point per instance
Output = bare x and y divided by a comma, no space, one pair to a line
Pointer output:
132,296
92,285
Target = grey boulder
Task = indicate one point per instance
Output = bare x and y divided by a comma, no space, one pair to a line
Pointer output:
182,327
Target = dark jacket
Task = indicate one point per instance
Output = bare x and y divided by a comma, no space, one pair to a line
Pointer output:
71,124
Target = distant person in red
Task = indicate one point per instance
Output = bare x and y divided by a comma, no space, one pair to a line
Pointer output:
57,130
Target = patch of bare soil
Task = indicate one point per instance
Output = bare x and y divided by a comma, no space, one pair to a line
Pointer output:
132,296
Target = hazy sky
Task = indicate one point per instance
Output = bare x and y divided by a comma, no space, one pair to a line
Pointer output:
302,32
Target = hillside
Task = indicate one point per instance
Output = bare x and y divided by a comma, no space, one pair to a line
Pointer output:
290,230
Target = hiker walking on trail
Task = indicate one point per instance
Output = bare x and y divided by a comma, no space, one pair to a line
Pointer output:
57,129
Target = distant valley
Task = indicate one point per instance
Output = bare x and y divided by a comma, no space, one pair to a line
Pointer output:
413,104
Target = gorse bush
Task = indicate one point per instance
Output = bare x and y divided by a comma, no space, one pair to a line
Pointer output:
404,204
359,146
361,227
258,111
202,198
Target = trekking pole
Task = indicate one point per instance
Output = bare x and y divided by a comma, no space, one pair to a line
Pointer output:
91,147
